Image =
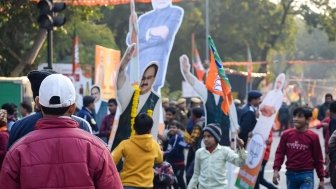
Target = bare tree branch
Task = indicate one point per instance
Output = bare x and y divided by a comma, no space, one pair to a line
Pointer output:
32,54
11,52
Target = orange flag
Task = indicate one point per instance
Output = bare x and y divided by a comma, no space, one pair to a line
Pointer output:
196,60
217,82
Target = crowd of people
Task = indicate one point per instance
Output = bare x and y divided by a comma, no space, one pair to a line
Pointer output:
60,141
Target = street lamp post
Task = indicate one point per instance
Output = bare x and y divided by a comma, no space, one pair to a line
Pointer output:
50,49
206,29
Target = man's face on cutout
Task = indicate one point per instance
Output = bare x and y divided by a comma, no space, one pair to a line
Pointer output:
95,94
147,80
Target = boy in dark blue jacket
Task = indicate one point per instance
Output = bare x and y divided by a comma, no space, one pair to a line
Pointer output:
87,113
175,153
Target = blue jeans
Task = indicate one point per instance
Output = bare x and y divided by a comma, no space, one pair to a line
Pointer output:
300,180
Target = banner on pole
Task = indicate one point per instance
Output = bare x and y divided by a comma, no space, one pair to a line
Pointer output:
106,65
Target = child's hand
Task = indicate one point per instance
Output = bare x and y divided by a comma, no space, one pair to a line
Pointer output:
240,143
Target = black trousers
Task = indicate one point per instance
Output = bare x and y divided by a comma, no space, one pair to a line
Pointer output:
261,180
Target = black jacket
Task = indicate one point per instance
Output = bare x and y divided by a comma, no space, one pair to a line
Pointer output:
27,124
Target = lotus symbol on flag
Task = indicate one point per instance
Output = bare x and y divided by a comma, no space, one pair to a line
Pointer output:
218,85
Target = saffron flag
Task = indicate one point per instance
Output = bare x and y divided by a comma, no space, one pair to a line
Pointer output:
75,53
196,60
217,82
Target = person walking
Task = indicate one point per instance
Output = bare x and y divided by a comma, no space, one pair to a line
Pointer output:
332,157
261,180
87,113
302,149
248,118
328,99
107,123
175,153
27,124
211,160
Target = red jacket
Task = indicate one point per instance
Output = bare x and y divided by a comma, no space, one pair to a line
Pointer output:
59,155
4,136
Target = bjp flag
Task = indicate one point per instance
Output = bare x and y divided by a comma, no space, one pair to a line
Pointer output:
217,82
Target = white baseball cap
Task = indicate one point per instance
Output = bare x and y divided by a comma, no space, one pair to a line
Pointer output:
57,91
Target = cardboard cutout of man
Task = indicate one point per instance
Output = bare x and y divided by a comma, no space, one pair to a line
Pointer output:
148,99
156,34
269,107
256,145
100,106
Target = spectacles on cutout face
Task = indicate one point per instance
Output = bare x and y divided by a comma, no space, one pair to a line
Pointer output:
147,78
95,93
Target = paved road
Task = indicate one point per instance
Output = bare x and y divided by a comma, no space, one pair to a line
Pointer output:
269,170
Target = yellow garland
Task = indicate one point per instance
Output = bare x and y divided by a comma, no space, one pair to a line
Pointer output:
135,104
150,113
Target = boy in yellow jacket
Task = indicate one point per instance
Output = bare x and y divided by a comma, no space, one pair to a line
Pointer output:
139,154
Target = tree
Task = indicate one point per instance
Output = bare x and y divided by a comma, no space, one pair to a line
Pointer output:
268,28
15,46
22,43
287,10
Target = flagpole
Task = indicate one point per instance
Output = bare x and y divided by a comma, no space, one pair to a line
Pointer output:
74,43
206,29
247,77
249,70
192,51
250,87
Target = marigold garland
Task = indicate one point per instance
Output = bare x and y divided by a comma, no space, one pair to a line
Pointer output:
135,104
150,113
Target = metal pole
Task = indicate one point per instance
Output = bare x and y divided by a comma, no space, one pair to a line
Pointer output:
206,29
50,49
50,43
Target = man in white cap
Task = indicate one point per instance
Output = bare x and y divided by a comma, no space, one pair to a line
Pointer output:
27,124
58,154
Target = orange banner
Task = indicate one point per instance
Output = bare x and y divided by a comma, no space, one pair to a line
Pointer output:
100,2
106,67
